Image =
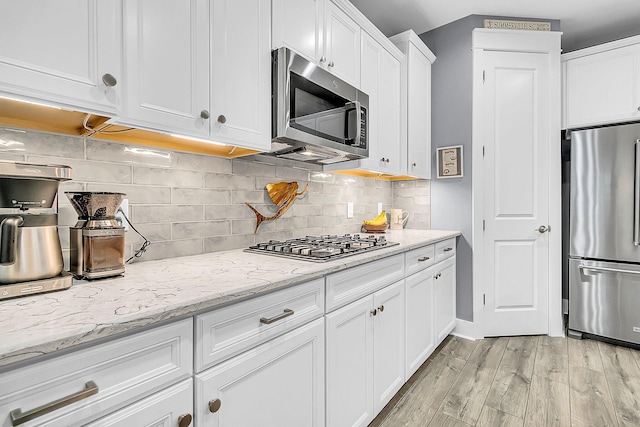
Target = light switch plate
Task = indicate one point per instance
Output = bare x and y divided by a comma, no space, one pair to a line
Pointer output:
350,210
379,207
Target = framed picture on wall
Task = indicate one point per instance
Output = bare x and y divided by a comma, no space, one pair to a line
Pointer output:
450,162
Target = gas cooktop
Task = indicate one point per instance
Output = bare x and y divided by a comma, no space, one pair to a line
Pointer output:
321,248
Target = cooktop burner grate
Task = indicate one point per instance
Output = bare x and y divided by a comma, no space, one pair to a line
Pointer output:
321,248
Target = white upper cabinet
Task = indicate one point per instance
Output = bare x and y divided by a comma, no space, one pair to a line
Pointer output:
66,52
601,84
166,56
381,79
241,73
418,100
322,32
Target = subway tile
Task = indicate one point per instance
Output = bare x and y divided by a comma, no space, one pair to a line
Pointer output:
215,244
307,210
275,235
12,157
123,153
248,226
228,181
14,141
136,194
167,177
201,162
166,213
292,174
67,216
213,212
312,230
90,171
171,249
200,196
202,229
254,196
243,167
157,232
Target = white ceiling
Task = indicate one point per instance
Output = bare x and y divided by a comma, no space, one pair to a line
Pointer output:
583,22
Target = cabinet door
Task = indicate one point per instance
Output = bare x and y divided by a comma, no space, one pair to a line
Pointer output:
60,51
380,79
166,46
418,113
342,44
603,87
298,25
241,73
279,383
419,330
350,364
388,344
445,298
166,408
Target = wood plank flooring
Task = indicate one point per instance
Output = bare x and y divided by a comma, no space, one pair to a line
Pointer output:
530,381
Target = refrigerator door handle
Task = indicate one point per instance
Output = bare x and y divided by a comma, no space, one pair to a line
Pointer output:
608,269
636,198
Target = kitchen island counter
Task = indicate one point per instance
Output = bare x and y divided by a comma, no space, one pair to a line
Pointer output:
155,291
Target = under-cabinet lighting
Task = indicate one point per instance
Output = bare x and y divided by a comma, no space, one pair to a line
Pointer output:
192,138
40,104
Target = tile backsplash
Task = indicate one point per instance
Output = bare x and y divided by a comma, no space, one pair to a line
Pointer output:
188,204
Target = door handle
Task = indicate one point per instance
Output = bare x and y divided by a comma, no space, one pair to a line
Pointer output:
543,229
286,313
636,197
608,269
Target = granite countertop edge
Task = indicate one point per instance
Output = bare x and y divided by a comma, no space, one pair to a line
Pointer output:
152,292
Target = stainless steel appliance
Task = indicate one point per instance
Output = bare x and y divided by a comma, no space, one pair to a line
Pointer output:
604,235
322,248
97,239
316,117
30,253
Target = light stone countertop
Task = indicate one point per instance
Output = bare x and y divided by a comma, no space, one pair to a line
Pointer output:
154,291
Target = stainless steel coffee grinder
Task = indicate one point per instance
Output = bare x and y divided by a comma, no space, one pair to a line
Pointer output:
97,239
30,252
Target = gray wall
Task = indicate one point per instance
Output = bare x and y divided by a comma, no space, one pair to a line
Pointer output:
189,204
451,99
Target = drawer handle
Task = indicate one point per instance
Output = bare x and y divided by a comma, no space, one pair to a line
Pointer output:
270,320
448,249
424,258
18,417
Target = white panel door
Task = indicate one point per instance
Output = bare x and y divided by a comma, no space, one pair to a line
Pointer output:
419,331
350,364
279,383
388,344
166,45
60,51
342,44
298,25
241,73
419,114
515,111
444,285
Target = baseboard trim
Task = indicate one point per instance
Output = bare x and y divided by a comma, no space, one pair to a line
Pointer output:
467,330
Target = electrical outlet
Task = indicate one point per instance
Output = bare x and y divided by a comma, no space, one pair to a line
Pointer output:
125,208
350,210
379,207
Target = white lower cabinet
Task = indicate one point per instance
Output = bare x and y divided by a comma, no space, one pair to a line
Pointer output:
419,328
445,298
168,408
279,383
365,356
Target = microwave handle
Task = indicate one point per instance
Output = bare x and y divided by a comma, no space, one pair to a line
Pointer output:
350,107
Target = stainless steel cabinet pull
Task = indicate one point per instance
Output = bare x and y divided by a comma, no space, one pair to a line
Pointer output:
424,258
437,275
18,417
323,59
204,114
636,198
374,312
331,64
185,420
543,229
214,405
609,269
109,80
222,119
381,308
448,249
382,159
270,320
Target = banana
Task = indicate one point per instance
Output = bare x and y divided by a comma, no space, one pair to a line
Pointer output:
381,219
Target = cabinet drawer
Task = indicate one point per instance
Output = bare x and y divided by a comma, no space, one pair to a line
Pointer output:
123,371
445,249
228,331
349,285
419,259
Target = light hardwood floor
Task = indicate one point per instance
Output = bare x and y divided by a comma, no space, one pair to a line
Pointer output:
520,381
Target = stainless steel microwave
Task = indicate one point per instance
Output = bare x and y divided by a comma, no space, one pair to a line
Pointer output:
316,117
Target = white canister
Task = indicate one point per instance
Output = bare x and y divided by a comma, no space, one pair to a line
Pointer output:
398,219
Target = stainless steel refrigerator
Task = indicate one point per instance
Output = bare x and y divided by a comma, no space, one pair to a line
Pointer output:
604,233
